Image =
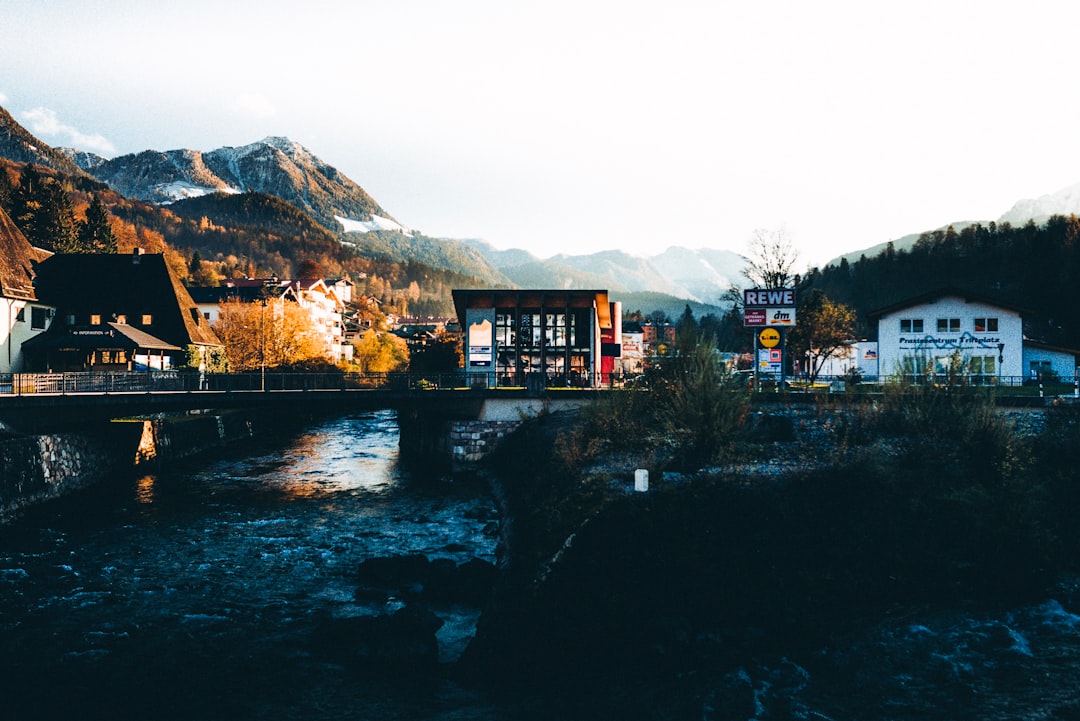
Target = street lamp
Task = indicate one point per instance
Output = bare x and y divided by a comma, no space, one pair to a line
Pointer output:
262,350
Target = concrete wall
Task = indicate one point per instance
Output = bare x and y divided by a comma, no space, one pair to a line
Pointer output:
34,469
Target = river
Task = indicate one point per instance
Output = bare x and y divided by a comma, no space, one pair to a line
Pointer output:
192,593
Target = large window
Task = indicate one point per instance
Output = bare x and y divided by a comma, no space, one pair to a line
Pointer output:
911,325
948,325
38,318
504,330
983,365
986,325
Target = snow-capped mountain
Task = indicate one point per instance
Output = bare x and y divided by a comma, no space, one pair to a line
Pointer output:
276,166
1064,202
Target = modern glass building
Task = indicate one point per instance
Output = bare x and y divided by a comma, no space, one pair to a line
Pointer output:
554,337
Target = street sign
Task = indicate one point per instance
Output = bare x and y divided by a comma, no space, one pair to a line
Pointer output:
755,317
769,298
769,338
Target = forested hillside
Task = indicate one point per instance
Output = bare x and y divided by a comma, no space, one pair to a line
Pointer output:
215,237
1032,267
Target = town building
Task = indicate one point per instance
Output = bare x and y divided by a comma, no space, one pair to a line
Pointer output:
320,300
633,348
117,312
553,337
928,331
23,316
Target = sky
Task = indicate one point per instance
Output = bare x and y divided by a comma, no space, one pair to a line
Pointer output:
589,125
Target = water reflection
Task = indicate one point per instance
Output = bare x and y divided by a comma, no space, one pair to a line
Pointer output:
220,570
144,489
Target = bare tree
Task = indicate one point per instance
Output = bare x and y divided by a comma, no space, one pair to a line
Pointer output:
772,258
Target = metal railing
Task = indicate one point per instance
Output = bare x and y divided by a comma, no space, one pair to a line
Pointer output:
175,381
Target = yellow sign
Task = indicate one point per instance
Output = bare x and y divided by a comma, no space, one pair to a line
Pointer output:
769,338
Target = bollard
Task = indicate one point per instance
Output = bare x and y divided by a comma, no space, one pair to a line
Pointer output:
641,480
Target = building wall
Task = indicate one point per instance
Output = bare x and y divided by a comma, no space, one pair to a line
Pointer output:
14,332
1040,360
901,346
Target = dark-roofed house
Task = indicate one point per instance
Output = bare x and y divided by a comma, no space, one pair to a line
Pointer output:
117,312
23,317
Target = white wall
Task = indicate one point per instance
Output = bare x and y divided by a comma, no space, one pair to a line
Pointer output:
930,343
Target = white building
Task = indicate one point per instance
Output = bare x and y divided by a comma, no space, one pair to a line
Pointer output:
22,317
861,356
986,335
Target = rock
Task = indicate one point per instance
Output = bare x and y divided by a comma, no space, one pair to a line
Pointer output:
414,576
397,643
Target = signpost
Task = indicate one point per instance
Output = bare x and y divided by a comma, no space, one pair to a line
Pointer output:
769,309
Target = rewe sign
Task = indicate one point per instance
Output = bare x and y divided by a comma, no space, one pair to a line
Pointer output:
769,298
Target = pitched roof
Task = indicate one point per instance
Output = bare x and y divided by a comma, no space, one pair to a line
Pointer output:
933,295
131,285
16,270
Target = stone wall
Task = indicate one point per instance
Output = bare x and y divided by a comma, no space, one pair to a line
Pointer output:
34,469
472,441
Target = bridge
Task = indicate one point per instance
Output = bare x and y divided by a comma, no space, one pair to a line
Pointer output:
39,402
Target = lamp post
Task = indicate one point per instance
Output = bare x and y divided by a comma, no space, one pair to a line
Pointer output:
262,349
1001,359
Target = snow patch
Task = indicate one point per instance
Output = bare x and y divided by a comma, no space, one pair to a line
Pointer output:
367,226
180,189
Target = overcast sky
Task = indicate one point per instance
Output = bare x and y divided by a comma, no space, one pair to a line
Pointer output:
573,127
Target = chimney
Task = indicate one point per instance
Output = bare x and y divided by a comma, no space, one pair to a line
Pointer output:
135,255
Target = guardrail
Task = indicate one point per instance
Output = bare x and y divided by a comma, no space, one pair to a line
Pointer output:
174,381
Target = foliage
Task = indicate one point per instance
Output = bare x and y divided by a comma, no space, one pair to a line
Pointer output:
692,408
376,352
444,354
275,335
1033,267
823,328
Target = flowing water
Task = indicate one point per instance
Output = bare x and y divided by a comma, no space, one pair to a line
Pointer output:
192,593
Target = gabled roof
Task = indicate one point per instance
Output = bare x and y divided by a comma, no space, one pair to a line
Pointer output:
131,285
16,254
931,296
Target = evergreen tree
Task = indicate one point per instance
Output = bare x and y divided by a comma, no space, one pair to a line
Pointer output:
95,233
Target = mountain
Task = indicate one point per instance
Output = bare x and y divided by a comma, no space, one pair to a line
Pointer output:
16,143
1064,202
274,166
707,273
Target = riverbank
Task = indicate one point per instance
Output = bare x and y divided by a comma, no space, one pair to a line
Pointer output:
38,468
816,526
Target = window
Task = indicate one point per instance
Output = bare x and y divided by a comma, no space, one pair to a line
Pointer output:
21,315
986,325
147,319
121,319
38,316
948,325
911,325
982,365
504,330
95,319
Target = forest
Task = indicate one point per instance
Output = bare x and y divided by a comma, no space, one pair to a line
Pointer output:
214,237
1033,267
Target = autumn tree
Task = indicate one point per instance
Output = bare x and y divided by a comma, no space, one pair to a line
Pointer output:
380,353
823,329
274,335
